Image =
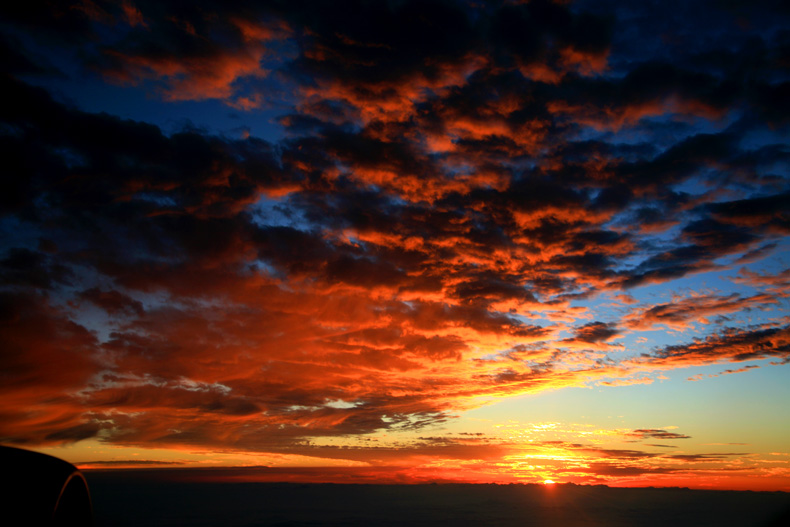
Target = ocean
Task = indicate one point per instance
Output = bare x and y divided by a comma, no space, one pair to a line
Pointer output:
155,498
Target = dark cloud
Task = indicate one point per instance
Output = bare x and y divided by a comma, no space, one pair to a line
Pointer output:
74,433
606,469
534,31
370,42
24,267
768,214
114,302
654,433
128,463
595,332
694,458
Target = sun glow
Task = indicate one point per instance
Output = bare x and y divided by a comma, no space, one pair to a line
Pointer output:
548,482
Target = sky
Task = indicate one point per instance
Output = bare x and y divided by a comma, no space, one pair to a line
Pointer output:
400,241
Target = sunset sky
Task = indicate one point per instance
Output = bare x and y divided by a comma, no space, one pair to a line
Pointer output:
400,241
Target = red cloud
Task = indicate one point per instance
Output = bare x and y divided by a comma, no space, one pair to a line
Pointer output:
190,64
47,360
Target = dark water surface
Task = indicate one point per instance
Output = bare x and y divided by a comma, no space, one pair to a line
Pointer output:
122,498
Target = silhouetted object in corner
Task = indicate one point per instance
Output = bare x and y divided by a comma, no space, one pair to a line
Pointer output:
42,490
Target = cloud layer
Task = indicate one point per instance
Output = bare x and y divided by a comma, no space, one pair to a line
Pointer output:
462,202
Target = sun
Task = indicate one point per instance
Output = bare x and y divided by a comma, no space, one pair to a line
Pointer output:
548,482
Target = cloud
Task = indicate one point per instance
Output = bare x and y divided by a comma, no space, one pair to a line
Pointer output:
679,313
46,360
126,463
627,382
731,345
696,458
594,335
335,304
778,283
655,433
113,302
24,267
701,376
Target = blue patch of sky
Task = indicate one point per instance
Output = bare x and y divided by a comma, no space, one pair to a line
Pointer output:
70,157
72,83
156,198
756,138
90,316
103,324
700,183
711,404
264,268
581,133
777,261
666,130
710,282
139,104
728,281
718,283
95,320
459,170
18,233
718,286
704,409
770,255
649,246
272,212
359,243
